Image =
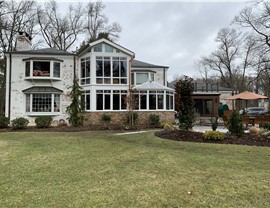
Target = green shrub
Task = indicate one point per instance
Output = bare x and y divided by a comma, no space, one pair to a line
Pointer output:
235,125
105,118
19,123
132,117
213,135
43,121
153,119
214,123
266,125
4,121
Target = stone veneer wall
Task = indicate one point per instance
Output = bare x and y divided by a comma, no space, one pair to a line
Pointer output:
119,118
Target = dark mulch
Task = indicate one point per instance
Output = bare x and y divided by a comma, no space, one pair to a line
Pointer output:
76,129
191,136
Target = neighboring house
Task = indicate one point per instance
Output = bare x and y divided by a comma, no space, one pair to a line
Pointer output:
207,98
39,83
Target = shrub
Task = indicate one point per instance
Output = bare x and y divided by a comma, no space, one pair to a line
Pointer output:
214,123
153,119
105,118
254,130
132,117
62,123
4,121
235,125
266,125
43,121
19,123
213,135
167,126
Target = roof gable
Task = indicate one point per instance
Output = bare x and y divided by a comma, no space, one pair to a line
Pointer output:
108,42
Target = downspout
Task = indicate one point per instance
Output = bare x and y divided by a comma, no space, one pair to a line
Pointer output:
9,86
164,74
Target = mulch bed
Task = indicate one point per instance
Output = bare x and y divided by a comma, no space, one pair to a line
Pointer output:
187,136
191,136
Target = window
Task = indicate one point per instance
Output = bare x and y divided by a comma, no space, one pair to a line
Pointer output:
85,71
27,69
108,49
98,48
169,101
85,99
138,78
111,100
111,70
42,102
42,69
154,100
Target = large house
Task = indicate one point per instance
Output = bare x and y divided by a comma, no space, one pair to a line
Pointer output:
39,83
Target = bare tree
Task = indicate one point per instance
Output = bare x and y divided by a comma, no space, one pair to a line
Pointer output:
97,22
57,30
257,18
232,60
15,16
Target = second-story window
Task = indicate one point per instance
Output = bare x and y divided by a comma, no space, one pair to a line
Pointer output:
138,78
42,69
111,70
85,71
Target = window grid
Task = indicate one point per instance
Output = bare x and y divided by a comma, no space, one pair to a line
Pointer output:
85,71
43,102
111,70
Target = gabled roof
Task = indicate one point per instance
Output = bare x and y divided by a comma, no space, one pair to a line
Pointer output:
140,64
44,51
103,40
151,85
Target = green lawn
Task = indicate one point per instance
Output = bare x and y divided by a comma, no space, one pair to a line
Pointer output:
101,169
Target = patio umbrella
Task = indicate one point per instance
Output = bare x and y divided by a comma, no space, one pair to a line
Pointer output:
247,96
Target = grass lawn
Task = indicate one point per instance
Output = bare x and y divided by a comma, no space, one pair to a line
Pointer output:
101,169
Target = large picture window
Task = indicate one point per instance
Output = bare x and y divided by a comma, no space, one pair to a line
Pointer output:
42,103
85,71
111,100
111,70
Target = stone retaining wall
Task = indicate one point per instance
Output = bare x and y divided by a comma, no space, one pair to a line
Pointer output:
120,118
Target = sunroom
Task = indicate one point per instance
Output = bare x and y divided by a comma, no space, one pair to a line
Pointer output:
152,96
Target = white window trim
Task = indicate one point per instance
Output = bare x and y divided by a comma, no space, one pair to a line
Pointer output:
51,113
51,77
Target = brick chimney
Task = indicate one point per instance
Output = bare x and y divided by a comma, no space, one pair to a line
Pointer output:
23,42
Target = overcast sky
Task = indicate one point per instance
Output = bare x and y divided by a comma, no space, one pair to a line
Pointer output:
174,34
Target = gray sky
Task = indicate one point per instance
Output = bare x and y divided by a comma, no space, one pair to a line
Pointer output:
173,34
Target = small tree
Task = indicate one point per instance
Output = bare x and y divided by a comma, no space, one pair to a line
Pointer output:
75,108
235,125
184,102
132,103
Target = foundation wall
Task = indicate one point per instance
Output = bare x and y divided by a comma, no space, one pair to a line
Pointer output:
120,118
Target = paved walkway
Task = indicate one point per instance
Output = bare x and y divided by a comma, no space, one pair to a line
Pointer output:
201,128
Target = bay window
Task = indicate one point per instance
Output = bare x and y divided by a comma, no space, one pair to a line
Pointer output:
42,69
42,102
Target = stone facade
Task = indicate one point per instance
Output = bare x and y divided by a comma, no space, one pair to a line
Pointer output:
120,118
